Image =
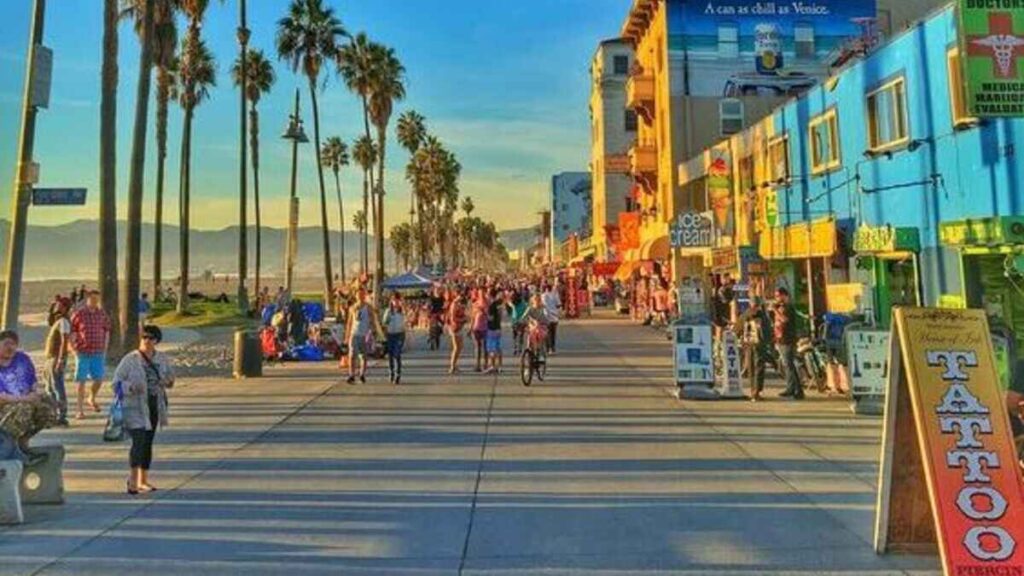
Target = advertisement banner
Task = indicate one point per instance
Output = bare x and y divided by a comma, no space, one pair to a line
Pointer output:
720,192
629,231
946,420
692,230
756,48
992,57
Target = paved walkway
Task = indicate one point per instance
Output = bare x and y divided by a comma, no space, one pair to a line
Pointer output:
597,471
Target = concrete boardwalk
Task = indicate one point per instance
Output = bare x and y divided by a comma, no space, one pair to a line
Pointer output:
596,471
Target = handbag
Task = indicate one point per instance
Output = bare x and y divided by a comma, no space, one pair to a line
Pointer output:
114,429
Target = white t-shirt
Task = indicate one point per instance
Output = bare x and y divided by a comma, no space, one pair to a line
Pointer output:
552,303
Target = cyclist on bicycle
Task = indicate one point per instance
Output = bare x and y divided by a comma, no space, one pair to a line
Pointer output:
517,312
536,321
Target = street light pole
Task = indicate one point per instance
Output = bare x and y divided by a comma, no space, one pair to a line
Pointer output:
22,194
296,135
243,232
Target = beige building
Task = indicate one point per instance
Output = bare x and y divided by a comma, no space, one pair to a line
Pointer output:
613,131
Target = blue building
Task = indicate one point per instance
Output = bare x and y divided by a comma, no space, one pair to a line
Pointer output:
879,178
571,207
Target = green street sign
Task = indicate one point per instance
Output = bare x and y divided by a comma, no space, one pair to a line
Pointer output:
992,57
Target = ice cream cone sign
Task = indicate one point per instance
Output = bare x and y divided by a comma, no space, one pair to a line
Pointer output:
720,191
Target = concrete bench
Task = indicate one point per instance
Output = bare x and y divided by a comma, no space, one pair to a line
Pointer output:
43,483
10,500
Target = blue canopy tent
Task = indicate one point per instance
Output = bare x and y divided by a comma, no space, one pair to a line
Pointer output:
408,281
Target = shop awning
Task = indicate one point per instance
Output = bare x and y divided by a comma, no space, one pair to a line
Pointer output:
815,239
996,231
657,249
626,270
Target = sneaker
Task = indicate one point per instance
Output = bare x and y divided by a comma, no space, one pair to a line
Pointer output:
350,380
362,379
398,380
63,423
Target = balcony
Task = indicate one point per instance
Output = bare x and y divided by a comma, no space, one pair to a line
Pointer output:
640,96
643,164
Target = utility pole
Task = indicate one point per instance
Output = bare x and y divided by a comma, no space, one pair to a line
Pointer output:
243,232
25,174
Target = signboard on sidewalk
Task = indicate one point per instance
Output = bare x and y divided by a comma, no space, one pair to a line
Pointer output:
992,57
948,467
728,382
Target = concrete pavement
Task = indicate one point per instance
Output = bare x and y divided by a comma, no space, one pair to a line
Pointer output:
596,471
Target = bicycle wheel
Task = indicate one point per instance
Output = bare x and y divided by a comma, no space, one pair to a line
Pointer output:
526,367
541,367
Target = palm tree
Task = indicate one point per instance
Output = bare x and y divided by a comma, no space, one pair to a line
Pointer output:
197,73
364,152
136,176
306,37
260,80
108,167
165,44
387,88
411,132
359,222
335,155
401,243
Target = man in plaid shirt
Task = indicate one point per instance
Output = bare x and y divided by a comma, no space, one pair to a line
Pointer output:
90,336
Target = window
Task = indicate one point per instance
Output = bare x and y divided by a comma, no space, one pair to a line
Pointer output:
887,116
730,115
823,133
957,96
630,121
778,159
803,34
728,40
620,65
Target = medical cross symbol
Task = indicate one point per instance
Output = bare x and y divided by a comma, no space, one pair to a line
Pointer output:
1001,44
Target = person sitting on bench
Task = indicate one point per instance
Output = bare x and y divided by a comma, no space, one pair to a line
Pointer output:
25,409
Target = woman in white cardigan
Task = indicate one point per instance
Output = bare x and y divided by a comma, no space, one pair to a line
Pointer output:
143,376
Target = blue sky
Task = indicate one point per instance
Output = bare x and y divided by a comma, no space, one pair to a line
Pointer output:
504,83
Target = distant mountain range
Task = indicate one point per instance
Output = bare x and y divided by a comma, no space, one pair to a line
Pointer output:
70,251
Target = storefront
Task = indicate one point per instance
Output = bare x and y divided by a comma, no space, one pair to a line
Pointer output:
804,259
887,264
992,266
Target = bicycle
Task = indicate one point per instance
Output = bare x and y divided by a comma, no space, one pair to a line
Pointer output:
534,360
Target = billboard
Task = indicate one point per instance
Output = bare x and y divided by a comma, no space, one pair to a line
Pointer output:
992,56
740,48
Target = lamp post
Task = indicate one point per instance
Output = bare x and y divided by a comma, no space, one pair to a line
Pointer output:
296,135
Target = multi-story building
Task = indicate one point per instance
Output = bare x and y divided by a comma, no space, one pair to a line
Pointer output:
877,188
570,209
613,131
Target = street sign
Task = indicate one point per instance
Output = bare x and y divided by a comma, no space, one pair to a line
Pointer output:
58,196
42,74
992,57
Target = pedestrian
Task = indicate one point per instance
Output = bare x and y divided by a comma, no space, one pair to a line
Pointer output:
395,326
362,326
455,321
58,346
24,409
757,338
479,329
143,378
90,337
493,340
784,334
552,306
144,309
517,311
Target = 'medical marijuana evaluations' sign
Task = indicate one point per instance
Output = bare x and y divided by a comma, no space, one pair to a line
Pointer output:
992,56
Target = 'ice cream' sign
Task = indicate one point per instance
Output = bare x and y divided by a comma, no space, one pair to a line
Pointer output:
692,230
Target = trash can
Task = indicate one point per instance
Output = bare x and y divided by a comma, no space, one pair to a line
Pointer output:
248,355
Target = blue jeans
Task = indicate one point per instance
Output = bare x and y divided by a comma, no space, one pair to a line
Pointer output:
395,343
55,385
787,355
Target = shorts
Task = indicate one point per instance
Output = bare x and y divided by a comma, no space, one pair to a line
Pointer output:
359,346
90,367
493,345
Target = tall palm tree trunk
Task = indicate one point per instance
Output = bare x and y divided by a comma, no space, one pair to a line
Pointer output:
184,210
133,256
365,263
341,218
108,171
254,137
382,139
328,276
162,102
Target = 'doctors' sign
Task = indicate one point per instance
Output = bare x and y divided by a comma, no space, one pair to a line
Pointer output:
748,48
